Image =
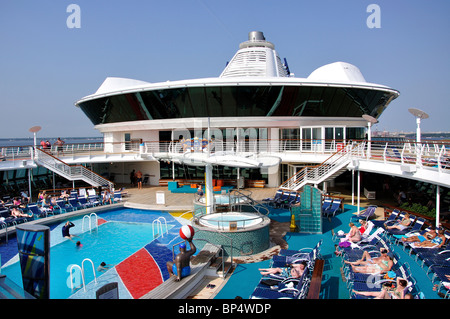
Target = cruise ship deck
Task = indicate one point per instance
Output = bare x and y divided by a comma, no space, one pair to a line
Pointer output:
246,276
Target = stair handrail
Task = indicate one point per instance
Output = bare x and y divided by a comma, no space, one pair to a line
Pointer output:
71,171
316,172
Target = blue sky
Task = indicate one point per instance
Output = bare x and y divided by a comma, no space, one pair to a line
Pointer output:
45,66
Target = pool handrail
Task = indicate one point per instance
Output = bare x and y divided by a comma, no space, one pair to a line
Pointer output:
157,222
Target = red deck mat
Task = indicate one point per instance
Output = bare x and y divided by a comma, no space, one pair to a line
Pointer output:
139,273
101,221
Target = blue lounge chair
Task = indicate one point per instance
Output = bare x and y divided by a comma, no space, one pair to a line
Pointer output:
392,217
117,196
283,290
277,203
292,199
64,207
416,227
33,207
365,214
271,199
377,286
94,200
282,261
75,204
400,216
326,205
334,207
301,252
7,220
84,202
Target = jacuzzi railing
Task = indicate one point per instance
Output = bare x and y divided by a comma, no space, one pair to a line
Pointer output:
221,223
236,204
224,274
250,201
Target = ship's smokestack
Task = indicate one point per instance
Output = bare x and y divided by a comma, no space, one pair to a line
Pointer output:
256,36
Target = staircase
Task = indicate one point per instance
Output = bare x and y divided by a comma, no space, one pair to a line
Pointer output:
70,172
334,166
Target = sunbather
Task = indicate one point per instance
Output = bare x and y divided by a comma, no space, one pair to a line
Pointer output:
295,271
15,212
420,238
366,259
387,291
436,242
382,265
404,223
354,235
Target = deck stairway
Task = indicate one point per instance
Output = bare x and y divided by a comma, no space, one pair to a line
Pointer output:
70,172
332,167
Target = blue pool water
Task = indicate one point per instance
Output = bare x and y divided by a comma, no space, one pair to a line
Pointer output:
112,242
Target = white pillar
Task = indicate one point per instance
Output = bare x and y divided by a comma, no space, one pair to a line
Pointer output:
353,187
209,193
418,143
359,189
438,205
369,139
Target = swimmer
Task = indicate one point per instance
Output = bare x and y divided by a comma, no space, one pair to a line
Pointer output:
103,267
66,230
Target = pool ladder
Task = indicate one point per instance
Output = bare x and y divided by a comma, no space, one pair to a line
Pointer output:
159,227
88,217
81,269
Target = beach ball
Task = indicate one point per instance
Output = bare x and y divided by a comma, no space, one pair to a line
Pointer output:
187,232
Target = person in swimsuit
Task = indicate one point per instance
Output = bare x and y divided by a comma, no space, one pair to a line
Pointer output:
139,179
366,259
404,223
354,235
296,270
66,230
59,146
436,242
383,264
420,238
387,292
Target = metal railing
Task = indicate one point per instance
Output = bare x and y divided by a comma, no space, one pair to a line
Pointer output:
319,173
70,172
428,154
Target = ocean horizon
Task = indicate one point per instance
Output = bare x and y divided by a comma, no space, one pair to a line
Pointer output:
28,141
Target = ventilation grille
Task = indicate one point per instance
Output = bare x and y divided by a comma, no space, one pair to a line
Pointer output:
246,63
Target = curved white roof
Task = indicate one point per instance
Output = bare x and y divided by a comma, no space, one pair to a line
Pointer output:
113,84
255,63
337,72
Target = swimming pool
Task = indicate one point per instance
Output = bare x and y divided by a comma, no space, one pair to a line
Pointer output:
123,235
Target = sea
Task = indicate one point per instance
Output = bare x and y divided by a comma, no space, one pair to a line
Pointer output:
12,142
